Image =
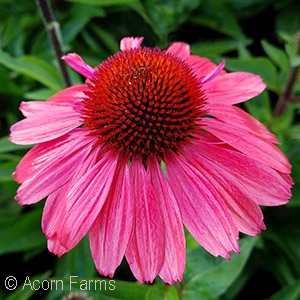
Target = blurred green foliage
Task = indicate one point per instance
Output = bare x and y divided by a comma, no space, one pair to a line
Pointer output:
258,36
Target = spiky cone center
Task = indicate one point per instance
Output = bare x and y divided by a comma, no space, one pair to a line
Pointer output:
142,103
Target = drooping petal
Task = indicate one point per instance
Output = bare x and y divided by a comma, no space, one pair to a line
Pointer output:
246,213
49,165
203,211
46,121
248,143
263,184
110,233
241,120
129,43
146,249
214,73
76,63
233,88
202,66
174,263
85,199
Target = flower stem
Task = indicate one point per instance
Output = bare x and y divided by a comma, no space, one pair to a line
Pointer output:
286,95
52,28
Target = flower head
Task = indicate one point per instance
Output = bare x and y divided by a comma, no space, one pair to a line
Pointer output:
150,142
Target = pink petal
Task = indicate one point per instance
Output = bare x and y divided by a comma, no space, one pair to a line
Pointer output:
129,43
54,213
76,63
203,211
146,249
238,118
85,199
245,212
68,95
248,143
174,263
72,94
180,49
203,67
110,233
31,108
55,209
49,165
49,121
52,216
232,88
214,73
263,184
55,247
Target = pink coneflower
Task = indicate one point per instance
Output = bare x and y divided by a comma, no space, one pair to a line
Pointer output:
150,143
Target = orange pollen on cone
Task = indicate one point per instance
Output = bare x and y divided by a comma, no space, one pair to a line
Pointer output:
143,102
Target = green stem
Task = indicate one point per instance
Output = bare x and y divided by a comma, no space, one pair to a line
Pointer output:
286,95
52,28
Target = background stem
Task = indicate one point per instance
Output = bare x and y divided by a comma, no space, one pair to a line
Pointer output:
52,28
285,96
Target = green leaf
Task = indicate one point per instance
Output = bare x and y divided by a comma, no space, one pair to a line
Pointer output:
165,16
77,262
292,149
107,39
34,68
7,170
212,48
103,2
294,57
99,288
212,281
277,55
126,290
284,232
80,15
161,291
291,48
8,86
8,146
247,8
260,108
215,15
8,31
40,95
21,233
283,122
289,292
288,20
